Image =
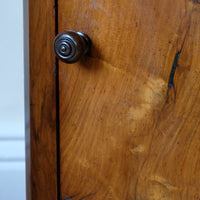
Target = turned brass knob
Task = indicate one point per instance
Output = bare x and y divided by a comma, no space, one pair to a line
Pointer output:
69,46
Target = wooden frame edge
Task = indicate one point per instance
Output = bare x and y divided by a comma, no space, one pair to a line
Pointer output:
40,100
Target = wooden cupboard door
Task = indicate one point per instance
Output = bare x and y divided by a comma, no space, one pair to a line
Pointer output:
130,110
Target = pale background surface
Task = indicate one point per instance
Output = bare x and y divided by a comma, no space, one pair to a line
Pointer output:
12,150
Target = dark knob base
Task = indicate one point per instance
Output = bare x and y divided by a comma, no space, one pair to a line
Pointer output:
69,46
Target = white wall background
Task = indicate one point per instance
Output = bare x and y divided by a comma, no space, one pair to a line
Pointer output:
12,148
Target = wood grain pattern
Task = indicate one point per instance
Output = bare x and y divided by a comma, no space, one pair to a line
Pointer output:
130,112
41,156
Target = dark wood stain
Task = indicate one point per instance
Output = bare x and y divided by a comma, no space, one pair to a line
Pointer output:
174,66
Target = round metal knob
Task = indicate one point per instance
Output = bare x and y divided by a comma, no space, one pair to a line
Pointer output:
69,46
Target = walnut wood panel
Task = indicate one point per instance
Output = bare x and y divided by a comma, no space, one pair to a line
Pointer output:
130,111
41,156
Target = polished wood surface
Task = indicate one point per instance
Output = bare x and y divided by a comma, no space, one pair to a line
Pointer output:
130,111
41,156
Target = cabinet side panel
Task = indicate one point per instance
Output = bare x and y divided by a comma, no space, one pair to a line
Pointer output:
40,86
